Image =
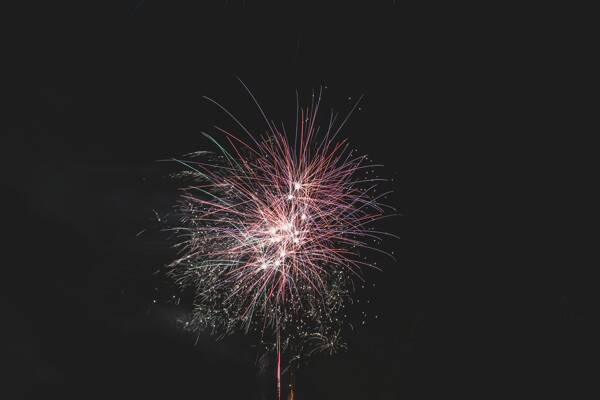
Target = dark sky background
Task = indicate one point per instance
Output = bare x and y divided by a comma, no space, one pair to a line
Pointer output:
473,114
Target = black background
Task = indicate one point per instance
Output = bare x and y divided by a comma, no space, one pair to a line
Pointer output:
474,113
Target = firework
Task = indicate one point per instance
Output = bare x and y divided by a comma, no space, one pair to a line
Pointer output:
272,227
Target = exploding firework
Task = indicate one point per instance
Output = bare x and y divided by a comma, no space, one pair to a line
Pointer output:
272,227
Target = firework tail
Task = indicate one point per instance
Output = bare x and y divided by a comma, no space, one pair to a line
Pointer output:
278,364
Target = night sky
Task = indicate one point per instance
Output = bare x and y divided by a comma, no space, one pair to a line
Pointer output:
473,117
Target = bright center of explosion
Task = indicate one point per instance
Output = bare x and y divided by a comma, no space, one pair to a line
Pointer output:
285,232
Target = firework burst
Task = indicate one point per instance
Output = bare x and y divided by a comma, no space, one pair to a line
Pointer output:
272,226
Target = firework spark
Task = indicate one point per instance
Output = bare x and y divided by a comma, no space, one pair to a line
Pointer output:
272,227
